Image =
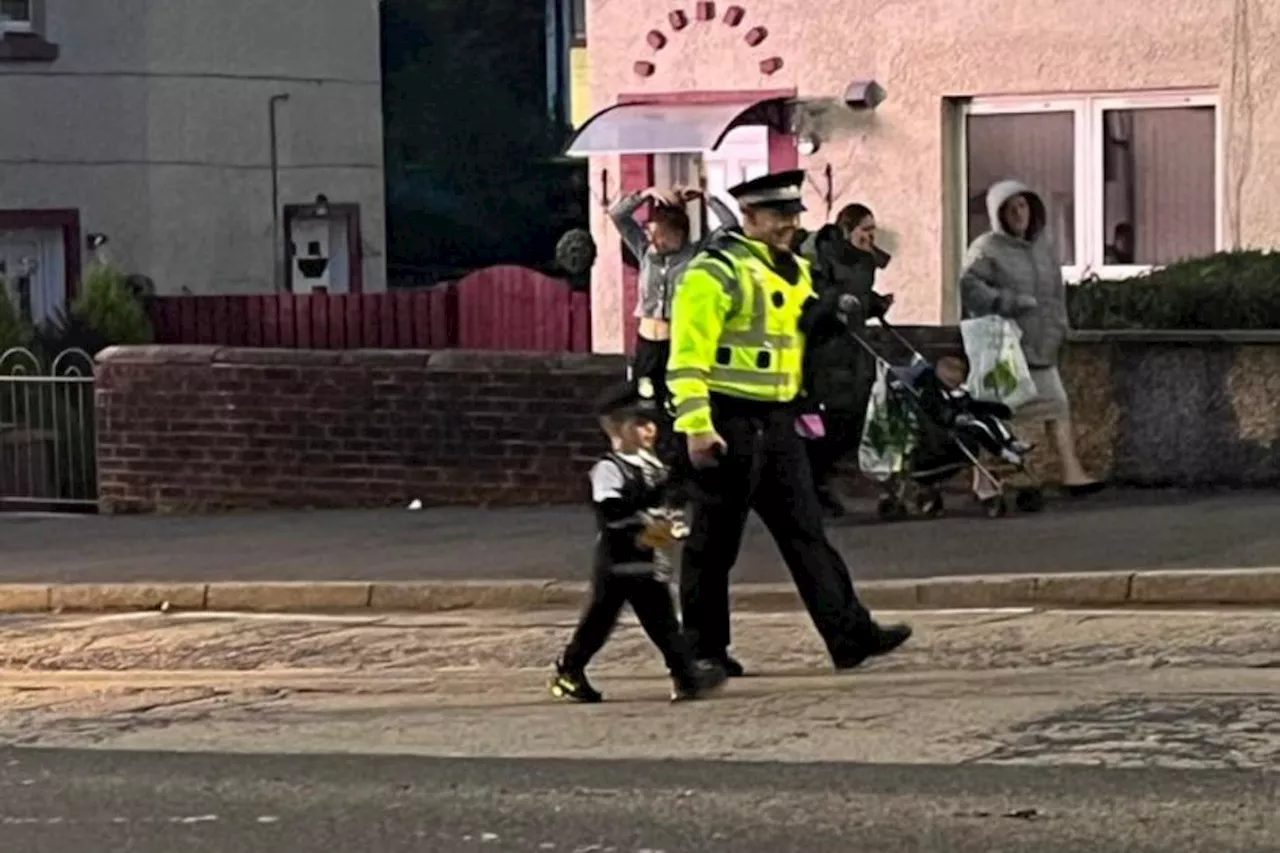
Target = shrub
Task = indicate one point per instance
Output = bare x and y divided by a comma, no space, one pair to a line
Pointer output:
107,312
1229,290
62,331
14,329
109,305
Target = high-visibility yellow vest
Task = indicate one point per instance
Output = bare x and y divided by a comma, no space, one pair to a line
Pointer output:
735,330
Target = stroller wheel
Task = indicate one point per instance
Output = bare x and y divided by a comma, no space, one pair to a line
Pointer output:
1029,500
929,503
891,509
995,507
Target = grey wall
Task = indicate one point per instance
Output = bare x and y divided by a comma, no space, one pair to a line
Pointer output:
153,123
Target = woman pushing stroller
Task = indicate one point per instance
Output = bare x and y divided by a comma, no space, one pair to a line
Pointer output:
839,372
1011,271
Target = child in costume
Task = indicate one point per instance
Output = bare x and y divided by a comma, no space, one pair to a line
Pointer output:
637,530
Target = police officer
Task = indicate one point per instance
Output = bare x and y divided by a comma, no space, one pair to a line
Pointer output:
740,320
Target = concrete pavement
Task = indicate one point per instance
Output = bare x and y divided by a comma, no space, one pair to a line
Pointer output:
1123,531
76,801
1012,730
1190,691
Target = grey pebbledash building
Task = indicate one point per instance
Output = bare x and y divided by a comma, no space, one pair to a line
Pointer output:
150,123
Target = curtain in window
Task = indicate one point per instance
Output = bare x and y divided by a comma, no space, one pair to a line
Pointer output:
1162,185
1035,148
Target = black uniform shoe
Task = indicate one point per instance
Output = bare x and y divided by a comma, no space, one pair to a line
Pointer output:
731,667
706,679
573,686
880,641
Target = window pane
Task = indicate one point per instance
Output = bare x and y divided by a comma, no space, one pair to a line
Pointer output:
15,10
1159,199
1035,148
578,20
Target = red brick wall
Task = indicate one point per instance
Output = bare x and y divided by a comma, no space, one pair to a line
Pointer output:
184,429
202,428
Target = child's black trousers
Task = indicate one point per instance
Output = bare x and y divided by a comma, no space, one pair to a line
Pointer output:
651,600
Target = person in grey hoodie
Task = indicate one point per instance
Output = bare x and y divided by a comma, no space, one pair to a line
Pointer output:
663,248
1012,270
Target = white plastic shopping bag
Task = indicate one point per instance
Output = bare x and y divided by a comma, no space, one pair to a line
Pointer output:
888,435
998,370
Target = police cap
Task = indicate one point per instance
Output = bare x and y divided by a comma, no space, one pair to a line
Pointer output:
781,191
628,400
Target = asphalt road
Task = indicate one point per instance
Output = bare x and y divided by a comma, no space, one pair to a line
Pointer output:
112,802
1111,532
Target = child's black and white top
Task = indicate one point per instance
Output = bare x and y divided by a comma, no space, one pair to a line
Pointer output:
627,491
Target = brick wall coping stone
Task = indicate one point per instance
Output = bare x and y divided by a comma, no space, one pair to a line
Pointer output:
450,361
1175,336
592,363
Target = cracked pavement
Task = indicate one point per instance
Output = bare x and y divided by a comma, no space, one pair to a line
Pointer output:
1143,689
1052,732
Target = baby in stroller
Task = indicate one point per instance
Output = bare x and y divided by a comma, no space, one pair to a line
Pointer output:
953,432
981,423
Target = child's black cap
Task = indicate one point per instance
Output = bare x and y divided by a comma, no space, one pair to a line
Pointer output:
628,399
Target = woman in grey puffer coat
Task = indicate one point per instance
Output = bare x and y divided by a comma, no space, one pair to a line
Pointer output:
1012,270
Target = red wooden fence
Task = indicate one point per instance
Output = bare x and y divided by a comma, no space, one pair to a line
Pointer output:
499,308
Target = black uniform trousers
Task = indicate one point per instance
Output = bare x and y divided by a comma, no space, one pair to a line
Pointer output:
650,598
765,468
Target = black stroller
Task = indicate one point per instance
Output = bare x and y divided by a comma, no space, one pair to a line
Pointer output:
949,432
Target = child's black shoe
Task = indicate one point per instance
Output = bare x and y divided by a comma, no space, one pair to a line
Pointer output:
573,686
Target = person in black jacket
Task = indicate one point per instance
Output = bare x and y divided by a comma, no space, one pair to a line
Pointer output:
637,527
839,373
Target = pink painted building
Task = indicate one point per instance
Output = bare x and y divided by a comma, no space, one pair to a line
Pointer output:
1159,121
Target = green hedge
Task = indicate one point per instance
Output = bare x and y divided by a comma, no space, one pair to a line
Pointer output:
1229,290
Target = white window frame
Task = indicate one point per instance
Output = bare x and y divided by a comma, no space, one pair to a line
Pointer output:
1087,112
10,26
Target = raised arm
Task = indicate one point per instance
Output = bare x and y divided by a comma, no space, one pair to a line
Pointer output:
724,214
623,214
